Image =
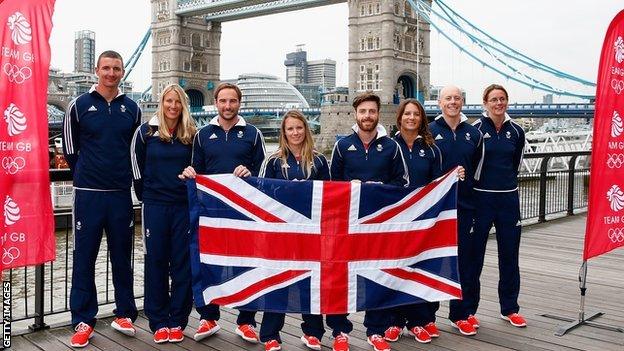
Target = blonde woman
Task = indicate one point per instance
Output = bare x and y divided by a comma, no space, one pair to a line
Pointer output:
161,149
295,159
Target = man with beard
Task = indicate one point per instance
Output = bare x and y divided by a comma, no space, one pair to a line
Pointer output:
461,145
226,145
367,155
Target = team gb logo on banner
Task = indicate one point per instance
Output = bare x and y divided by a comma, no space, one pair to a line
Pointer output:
21,32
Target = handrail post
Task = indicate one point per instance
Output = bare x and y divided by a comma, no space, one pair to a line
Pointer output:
542,192
39,298
571,174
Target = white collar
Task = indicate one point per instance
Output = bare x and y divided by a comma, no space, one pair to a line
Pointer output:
215,121
153,121
462,117
507,117
94,86
381,131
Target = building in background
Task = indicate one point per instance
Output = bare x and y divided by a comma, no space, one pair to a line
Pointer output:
84,51
322,73
267,91
296,66
311,78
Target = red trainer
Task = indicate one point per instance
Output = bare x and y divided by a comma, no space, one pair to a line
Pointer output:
272,345
515,319
248,333
84,332
473,320
393,333
312,342
205,329
464,327
124,326
432,329
341,342
378,343
421,335
176,334
161,335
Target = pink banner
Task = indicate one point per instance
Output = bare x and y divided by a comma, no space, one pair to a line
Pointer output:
28,220
605,220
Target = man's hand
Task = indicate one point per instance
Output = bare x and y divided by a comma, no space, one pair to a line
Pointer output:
241,171
188,173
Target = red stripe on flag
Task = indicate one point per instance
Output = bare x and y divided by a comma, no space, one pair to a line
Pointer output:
425,280
237,199
334,228
396,210
259,244
257,287
334,244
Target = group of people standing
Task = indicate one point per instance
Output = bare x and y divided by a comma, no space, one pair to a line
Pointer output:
108,149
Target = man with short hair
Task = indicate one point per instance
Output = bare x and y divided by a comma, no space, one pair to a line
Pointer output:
461,144
226,145
97,131
367,155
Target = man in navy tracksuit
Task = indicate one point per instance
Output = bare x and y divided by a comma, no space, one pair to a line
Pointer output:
497,193
226,145
461,145
97,131
367,155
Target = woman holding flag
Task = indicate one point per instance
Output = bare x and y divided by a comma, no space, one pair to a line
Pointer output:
161,149
295,159
424,164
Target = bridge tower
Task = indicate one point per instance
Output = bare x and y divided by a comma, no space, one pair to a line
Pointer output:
185,50
389,50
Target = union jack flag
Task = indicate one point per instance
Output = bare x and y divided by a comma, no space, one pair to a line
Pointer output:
322,247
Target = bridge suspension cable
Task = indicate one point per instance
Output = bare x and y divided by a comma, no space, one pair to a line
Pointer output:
136,55
490,49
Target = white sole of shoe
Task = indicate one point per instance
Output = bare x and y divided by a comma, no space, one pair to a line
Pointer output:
81,345
176,340
161,341
124,331
510,322
277,348
461,332
202,336
240,333
305,342
374,348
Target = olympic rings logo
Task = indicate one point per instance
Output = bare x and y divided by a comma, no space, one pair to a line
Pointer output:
616,235
13,165
9,255
615,160
20,75
617,85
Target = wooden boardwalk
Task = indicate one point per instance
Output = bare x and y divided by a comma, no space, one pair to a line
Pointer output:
550,260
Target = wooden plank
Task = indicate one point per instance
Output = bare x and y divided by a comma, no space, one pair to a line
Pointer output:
46,341
21,343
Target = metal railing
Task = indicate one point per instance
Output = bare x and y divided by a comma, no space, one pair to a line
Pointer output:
560,187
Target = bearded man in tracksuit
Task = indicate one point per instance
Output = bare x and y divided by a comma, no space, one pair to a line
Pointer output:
227,144
367,155
461,145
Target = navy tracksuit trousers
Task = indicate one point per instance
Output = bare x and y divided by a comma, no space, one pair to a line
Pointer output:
414,315
211,312
501,209
95,212
465,244
166,241
312,325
